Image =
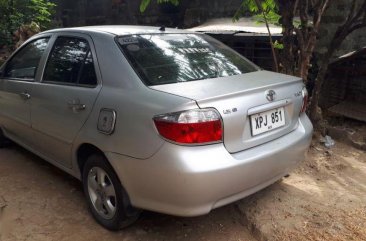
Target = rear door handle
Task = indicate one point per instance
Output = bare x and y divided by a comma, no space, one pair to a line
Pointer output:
25,96
76,106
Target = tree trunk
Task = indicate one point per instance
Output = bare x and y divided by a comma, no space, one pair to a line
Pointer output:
306,55
287,57
304,65
314,115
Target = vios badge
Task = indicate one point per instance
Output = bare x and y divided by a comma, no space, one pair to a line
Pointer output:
270,95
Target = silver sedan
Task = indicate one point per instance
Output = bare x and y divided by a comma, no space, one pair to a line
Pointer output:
152,118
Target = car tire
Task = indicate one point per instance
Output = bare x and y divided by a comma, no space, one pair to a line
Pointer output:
107,199
3,140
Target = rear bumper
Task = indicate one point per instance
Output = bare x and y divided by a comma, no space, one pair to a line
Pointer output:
191,181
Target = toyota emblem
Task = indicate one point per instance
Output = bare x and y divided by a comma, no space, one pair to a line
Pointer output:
270,95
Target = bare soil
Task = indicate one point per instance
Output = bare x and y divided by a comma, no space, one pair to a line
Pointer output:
39,202
324,199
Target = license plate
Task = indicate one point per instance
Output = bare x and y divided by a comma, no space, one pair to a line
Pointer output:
267,121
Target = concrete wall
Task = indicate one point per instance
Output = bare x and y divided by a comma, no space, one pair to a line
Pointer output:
345,80
334,16
187,14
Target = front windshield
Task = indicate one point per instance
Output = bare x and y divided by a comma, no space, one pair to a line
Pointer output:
172,58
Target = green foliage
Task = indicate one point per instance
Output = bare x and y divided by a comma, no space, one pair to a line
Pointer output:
145,3
272,17
41,12
278,45
16,13
268,8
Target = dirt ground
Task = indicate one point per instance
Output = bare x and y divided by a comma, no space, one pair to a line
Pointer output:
38,202
323,199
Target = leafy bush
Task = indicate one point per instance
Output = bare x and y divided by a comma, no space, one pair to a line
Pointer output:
16,13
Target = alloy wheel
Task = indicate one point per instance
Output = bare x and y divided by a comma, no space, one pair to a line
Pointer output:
102,193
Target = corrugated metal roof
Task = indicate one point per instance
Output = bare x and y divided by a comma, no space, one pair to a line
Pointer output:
120,29
248,25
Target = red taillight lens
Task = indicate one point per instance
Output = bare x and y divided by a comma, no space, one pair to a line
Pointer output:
304,93
190,127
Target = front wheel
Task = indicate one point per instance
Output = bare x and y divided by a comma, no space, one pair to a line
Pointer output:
107,199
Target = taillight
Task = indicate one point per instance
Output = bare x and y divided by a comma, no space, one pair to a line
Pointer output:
304,93
190,127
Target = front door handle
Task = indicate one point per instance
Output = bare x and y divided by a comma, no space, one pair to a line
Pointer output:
76,106
25,96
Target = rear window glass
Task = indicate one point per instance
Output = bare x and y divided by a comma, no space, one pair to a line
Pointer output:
172,58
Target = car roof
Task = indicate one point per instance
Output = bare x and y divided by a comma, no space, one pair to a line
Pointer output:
119,29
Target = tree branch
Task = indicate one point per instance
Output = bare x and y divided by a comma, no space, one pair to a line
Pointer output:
362,10
300,38
351,11
325,6
318,16
304,17
295,7
269,33
355,27
354,20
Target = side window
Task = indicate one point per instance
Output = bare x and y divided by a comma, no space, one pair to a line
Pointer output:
25,62
70,62
87,73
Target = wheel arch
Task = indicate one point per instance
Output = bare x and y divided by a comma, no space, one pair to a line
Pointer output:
131,214
83,152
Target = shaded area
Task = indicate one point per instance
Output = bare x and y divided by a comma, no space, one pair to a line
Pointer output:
40,202
99,12
353,110
344,89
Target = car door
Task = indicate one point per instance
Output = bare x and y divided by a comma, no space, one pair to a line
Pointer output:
64,98
16,89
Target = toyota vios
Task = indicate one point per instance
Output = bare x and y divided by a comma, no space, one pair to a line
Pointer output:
159,119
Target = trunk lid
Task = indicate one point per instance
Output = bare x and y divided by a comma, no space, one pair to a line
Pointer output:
239,97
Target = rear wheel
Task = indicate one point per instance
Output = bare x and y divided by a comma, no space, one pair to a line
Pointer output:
3,140
107,199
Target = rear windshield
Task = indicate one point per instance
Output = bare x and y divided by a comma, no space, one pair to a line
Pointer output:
172,58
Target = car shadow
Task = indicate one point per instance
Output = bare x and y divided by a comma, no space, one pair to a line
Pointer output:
58,204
